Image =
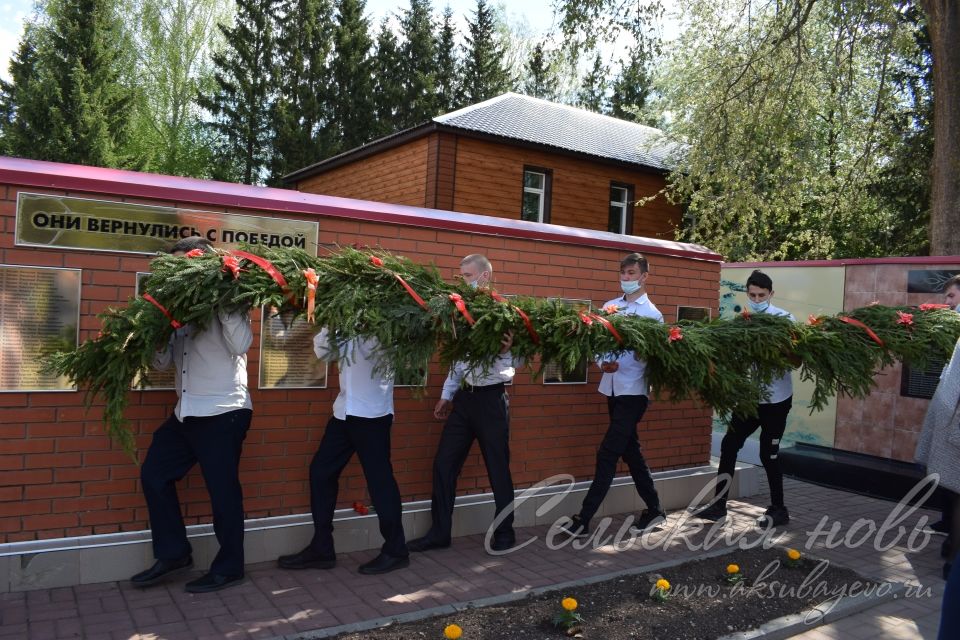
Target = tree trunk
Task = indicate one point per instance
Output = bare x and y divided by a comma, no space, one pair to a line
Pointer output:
943,20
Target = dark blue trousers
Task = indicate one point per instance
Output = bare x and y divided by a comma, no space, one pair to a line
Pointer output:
369,438
479,414
215,442
621,441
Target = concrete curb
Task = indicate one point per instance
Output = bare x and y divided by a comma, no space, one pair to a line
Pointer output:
789,626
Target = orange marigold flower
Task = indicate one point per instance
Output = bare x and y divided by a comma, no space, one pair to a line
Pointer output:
793,554
452,632
569,604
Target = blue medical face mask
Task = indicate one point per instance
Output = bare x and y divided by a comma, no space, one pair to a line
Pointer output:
474,284
758,307
630,286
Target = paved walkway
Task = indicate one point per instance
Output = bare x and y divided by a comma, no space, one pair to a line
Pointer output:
275,603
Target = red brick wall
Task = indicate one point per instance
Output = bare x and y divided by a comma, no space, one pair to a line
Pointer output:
60,476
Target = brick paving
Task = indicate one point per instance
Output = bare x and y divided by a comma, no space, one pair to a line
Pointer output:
275,603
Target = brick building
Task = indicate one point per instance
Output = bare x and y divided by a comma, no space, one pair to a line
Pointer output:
514,157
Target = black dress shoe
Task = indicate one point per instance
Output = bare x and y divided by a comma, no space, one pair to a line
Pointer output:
161,570
426,543
307,559
502,543
384,563
213,582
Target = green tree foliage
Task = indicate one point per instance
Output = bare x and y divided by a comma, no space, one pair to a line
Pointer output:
418,52
784,149
484,74
301,110
70,100
541,79
592,94
351,73
173,41
388,90
240,101
631,87
446,65
22,107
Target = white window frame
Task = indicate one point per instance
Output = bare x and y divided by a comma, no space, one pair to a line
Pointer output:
623,205
541,193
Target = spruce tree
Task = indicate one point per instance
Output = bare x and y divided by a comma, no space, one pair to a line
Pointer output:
69,100
484,73
240,103
301,111
388,90
23,111
419,74
593,87
631,87
448,95
351,72
541,77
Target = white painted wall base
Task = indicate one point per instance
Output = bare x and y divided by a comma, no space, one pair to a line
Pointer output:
45,564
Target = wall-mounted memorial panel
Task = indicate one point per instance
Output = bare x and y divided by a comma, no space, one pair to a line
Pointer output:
692,313
101,225
39,315
287,360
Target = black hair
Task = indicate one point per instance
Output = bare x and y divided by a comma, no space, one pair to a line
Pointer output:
635,259
760,279
191,243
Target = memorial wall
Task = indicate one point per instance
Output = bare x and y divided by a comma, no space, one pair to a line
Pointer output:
78,240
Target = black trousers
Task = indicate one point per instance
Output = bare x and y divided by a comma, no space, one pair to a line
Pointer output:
772,421
481,414
215,442
621,441
369,438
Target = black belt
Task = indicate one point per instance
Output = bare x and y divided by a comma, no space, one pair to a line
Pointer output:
487,387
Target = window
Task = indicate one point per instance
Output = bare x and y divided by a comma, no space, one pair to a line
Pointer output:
621,208
536,195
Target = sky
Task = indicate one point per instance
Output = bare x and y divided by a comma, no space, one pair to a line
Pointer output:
537,13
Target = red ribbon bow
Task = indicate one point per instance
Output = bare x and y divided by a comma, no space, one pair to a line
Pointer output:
461,307
857,323
312,280
271,270
526,319
231,264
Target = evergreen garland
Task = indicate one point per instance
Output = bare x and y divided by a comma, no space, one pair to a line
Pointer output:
723,362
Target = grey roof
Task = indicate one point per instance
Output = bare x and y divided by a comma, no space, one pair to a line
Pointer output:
564,127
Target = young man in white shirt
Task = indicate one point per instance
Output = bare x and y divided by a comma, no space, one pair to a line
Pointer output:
771,420
361,421
475,405
624,383
208,426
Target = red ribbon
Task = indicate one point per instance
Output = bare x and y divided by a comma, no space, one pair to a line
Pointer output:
461,307
377,262
606,323
267,266
857,323
312,280
526,320
173,323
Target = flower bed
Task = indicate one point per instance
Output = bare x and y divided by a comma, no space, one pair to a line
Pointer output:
701,602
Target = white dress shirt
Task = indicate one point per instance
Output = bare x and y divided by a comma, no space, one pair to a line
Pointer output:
211,366
502,370
364,392
630,378
781,388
